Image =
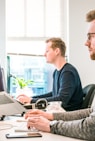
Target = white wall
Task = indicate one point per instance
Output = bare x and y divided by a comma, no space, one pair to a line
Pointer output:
78,53
2,34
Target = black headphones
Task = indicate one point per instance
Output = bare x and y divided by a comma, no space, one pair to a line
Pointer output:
41,103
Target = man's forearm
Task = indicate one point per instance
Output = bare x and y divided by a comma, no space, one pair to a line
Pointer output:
81,129
73,115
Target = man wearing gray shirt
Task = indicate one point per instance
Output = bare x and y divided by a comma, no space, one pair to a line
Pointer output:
77,124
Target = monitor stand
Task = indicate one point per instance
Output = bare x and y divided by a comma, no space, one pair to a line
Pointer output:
2,117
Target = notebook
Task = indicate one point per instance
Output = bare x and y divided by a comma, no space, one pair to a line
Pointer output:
9,106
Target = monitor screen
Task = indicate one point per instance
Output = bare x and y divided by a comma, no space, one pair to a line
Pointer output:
2,80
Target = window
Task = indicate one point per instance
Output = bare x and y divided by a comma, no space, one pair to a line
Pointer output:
33,18
30,68
29,24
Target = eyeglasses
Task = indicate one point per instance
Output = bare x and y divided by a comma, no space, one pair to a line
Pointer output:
90,35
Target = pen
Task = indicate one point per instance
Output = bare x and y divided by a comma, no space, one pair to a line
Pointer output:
22,130
21,120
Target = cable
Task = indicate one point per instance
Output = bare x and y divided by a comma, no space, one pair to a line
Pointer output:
5,126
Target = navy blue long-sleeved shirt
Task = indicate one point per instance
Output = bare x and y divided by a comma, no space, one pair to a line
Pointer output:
66,88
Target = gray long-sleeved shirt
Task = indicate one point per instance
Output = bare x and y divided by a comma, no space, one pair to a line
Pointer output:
78,124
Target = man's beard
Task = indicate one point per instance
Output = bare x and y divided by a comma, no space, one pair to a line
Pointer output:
92,56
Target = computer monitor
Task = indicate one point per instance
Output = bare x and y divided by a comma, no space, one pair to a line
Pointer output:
2,80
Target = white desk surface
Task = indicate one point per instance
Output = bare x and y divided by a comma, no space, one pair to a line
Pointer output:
19,125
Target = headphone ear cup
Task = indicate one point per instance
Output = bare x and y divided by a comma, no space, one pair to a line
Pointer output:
41,103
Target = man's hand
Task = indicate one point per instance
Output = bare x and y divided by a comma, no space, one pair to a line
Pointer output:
23,99
40,123
37,113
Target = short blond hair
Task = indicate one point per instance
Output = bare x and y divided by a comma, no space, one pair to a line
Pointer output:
58,43
90,16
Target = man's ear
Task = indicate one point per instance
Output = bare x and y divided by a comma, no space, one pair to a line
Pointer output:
57,50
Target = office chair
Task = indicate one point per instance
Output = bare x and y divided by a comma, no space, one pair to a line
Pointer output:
89,92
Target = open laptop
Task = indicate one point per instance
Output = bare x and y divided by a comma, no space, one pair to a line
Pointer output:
9,106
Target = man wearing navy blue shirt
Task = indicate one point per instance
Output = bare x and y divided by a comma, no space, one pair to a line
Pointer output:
67,86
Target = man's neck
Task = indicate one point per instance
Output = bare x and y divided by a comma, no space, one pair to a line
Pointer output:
60,63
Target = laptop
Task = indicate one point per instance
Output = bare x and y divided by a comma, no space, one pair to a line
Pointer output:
9,106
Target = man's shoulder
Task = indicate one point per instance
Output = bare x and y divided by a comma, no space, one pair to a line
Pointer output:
69,67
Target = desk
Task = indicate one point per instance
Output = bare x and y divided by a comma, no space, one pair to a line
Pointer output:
14,125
